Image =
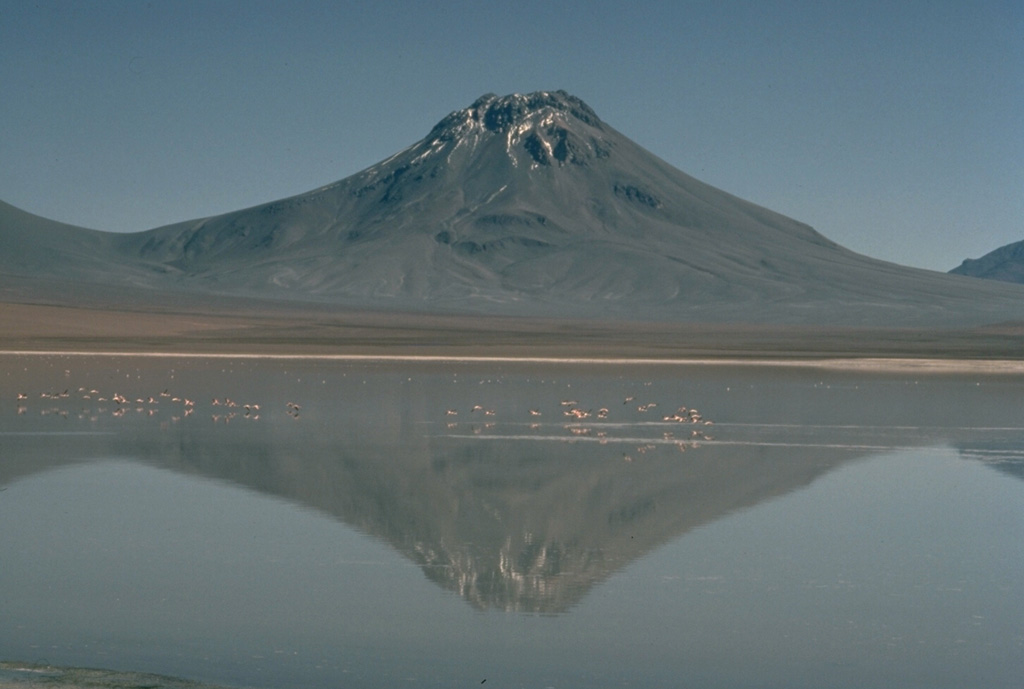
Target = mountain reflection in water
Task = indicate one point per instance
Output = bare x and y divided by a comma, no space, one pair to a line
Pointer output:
518,489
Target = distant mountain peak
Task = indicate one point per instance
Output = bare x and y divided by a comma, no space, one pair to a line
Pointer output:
1005,264
526,205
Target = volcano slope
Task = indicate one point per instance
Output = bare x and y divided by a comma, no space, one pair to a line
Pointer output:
529,210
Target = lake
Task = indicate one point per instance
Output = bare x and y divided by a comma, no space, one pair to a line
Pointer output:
304,523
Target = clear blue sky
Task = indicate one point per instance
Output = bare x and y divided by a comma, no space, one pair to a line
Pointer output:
894,128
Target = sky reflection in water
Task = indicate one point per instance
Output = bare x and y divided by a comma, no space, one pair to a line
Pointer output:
828,528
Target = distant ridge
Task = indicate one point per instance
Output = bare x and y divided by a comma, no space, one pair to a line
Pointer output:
1005,264
517,205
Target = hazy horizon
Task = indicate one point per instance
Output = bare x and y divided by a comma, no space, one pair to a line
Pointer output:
893,131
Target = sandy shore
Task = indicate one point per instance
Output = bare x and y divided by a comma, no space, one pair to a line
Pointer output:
14,675
988,366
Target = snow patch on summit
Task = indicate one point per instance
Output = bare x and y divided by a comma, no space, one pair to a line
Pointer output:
539,123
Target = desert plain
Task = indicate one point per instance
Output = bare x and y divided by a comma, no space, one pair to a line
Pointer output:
247,328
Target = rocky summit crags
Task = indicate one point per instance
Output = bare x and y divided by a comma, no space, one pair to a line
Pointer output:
541,123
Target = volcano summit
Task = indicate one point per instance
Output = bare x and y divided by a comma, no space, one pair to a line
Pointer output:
527,205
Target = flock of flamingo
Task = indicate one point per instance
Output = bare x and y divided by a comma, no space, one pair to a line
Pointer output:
593,423
578,421
92,404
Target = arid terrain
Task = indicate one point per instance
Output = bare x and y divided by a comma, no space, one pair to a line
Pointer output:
309,331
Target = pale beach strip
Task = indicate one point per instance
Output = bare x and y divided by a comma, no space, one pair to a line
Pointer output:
866,364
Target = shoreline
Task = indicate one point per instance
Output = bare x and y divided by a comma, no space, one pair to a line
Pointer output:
20,675
866,364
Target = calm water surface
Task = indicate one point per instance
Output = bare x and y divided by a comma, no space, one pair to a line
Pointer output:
366,525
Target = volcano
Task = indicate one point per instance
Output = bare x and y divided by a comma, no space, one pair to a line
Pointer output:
522,205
